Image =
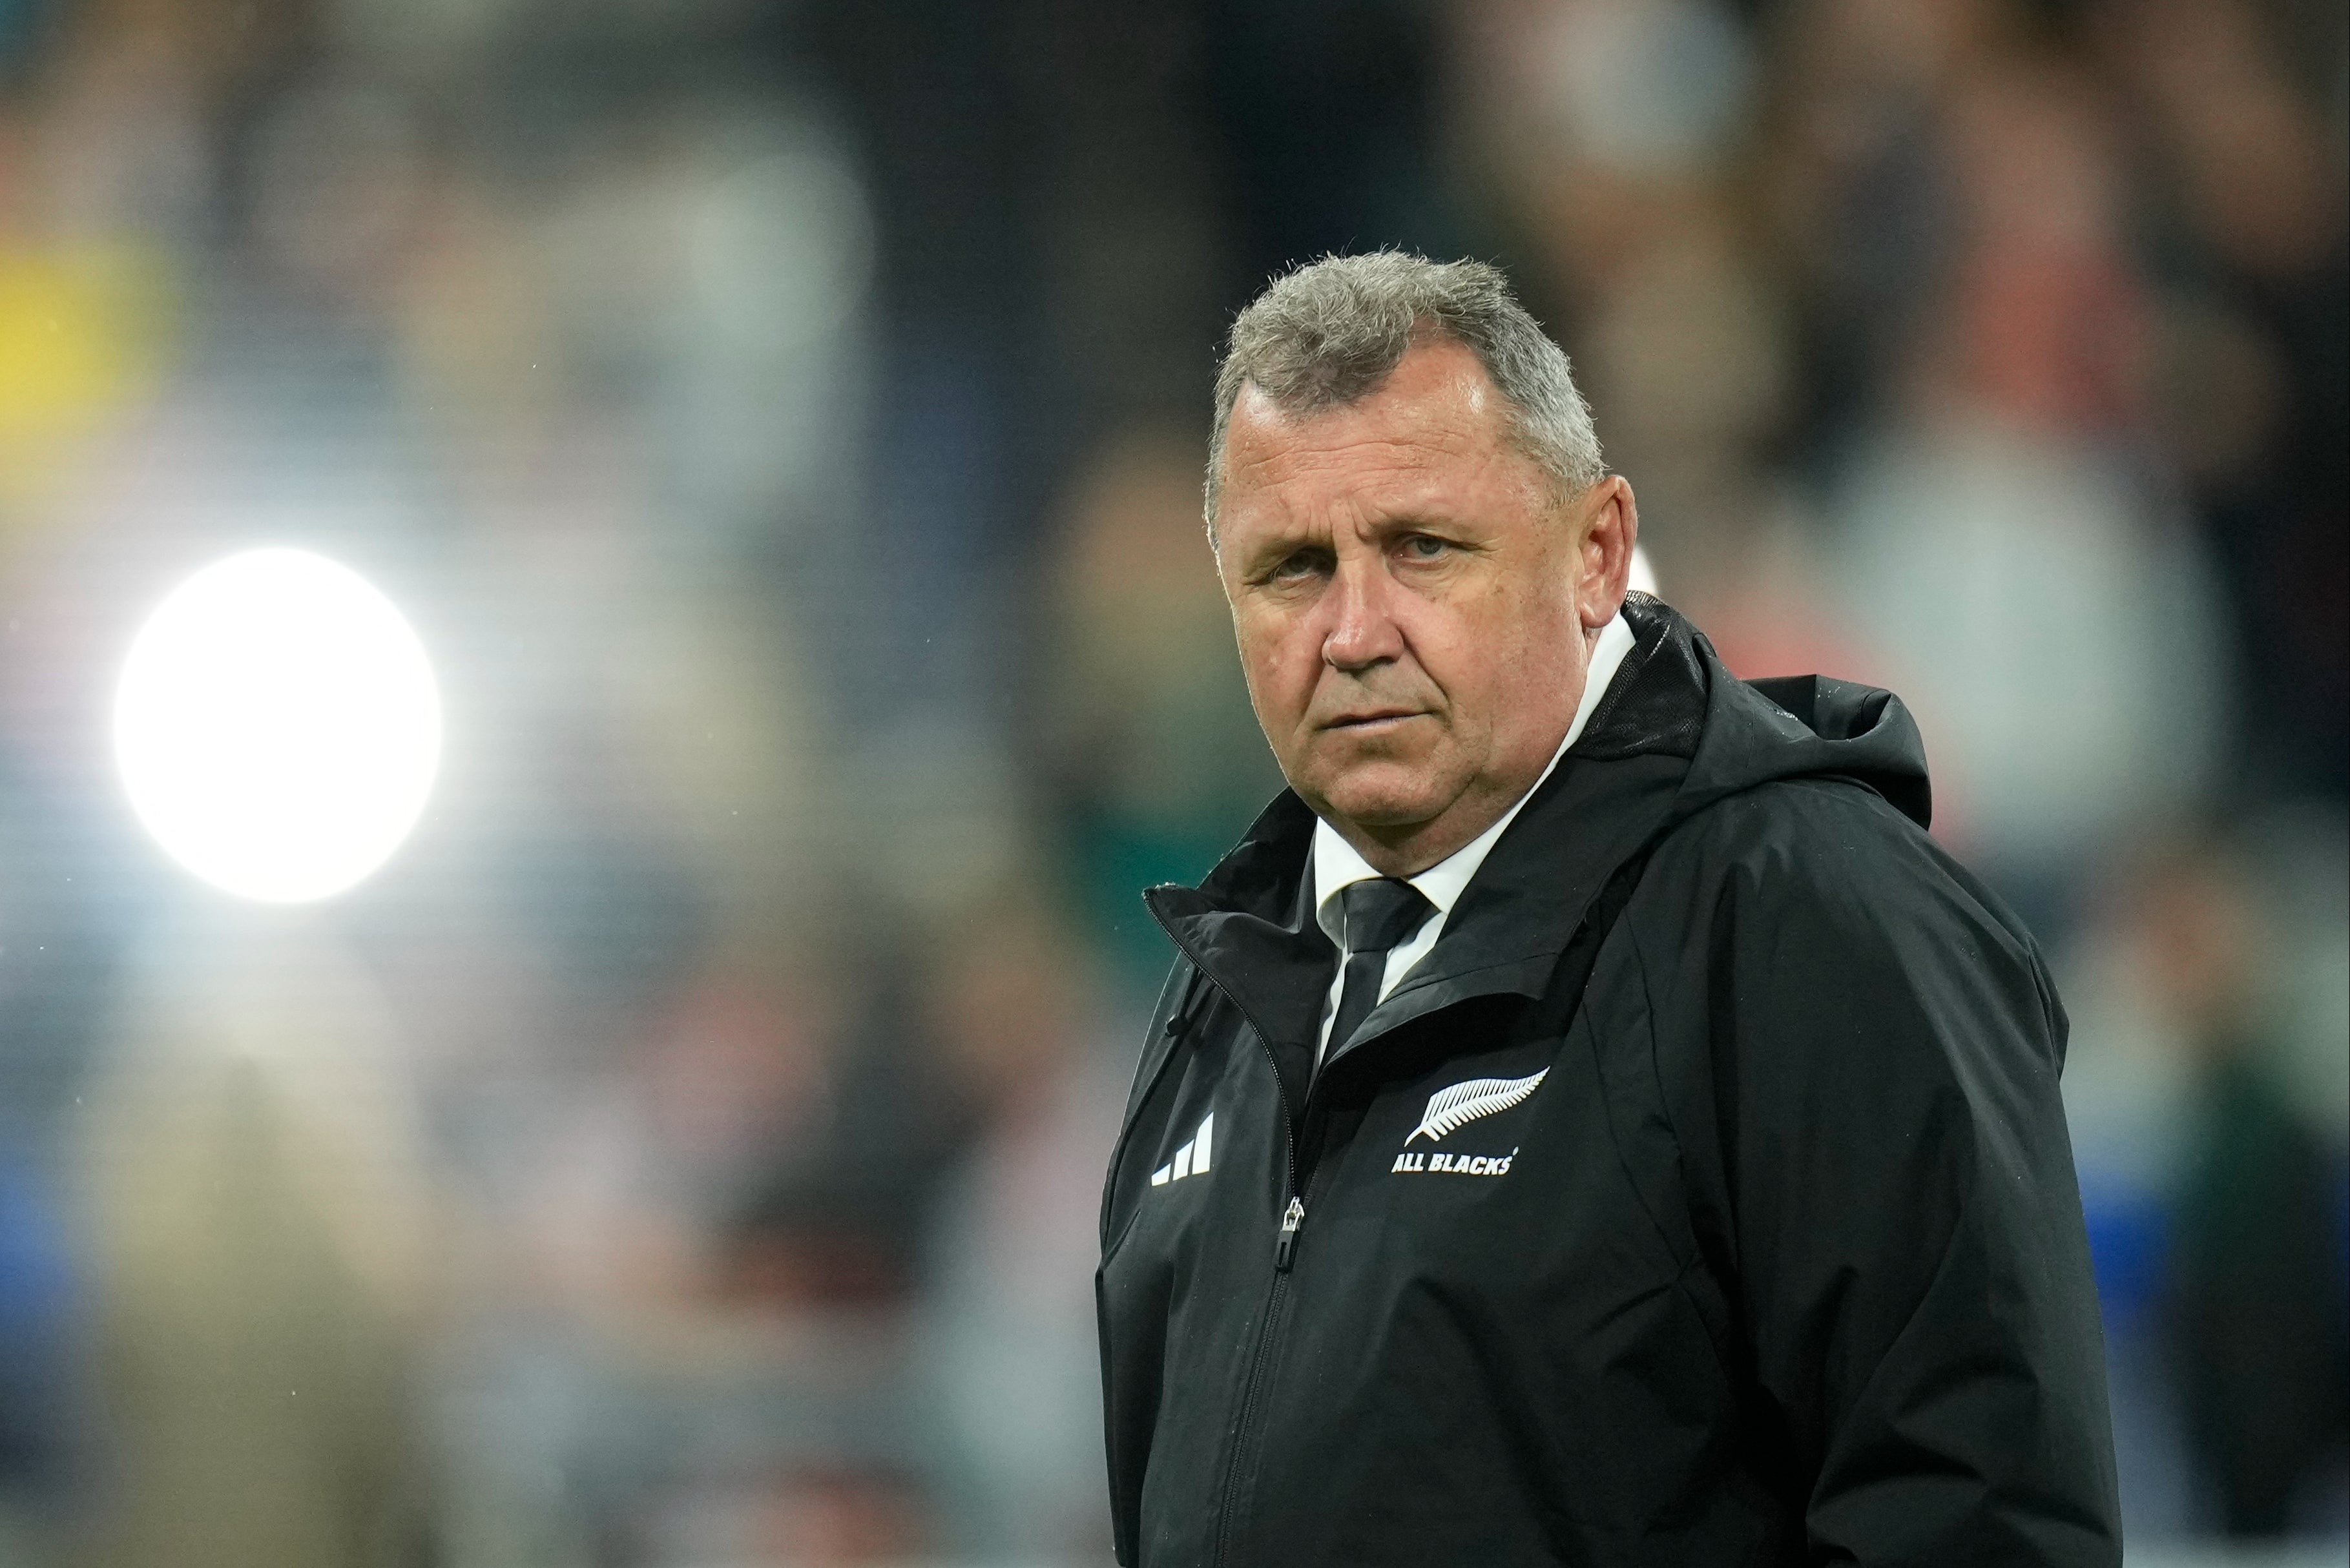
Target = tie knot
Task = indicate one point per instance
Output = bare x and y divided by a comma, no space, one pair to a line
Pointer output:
1381,912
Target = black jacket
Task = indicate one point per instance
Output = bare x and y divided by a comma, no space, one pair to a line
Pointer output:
1771,1252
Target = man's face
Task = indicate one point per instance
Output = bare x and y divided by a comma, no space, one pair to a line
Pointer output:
1413,602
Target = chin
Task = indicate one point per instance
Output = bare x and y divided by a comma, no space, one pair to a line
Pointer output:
1382,801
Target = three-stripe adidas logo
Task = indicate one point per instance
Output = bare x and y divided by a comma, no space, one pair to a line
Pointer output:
1192,1159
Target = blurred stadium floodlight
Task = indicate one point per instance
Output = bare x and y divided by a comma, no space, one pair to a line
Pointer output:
277,726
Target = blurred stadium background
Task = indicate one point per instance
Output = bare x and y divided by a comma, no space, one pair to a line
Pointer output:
781,423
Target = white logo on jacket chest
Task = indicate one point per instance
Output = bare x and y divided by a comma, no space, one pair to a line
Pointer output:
1192,1159
1449,1109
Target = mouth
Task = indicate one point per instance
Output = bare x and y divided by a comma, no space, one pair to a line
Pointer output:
1375,718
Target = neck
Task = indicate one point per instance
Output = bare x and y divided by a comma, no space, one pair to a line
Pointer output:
1408,849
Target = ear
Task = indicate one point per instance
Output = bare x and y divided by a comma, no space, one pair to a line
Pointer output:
1609,527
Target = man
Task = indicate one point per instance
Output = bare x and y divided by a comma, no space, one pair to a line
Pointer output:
1589,1122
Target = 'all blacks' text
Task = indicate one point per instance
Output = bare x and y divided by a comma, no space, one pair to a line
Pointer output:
1455,1164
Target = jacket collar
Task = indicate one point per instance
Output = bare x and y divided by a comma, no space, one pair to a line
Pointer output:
1249,927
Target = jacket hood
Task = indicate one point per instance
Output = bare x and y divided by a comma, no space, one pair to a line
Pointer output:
1785,727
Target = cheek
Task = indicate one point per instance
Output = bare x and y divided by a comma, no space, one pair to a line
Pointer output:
1544,664
1538,618
1281,663
1492,653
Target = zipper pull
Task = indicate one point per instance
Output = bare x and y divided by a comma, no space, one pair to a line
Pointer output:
1287,1244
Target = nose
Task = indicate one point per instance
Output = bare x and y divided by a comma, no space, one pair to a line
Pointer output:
1362,630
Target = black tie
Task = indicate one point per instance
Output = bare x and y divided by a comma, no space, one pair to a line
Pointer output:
1379,914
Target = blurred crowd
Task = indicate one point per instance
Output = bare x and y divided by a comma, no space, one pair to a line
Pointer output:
782,423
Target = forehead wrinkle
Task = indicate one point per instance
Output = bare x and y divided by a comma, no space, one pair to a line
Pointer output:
1269,448
1431,443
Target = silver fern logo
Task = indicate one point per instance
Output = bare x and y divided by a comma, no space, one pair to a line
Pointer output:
1449,1109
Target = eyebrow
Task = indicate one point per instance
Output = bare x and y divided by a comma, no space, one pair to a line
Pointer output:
1275,550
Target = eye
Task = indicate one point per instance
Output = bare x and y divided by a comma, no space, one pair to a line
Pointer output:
1426,547
1300,565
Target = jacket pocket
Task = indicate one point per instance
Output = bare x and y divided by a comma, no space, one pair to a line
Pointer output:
1124,1470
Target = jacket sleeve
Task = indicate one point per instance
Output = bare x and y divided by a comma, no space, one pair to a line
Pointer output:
1913,1275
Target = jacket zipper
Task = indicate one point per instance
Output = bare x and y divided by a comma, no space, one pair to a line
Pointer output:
1284,1250
1286,1243
1284,1247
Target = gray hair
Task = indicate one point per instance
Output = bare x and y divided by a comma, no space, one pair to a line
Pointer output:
1328,333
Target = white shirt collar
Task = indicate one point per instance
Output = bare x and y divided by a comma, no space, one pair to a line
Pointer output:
1336,863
